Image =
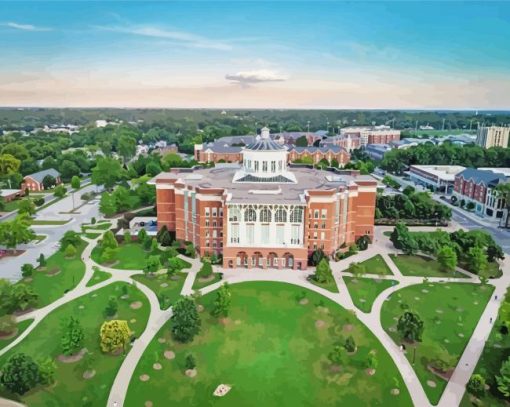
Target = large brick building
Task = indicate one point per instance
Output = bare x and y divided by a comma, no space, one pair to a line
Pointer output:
316,154
264,213
372,134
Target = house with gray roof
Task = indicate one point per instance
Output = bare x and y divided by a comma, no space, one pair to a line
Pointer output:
34,182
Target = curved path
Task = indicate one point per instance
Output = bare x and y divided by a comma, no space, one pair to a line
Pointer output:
454,390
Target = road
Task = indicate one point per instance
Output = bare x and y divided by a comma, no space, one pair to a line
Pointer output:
10,267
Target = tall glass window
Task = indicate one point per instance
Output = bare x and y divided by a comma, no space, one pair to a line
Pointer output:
265,215
250,215
264,166
280,215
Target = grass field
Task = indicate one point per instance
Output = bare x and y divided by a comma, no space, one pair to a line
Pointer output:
21,327
91,235
364,291
421,266
98,276
376,265
49,222
273,352
450,312
167,290
129,256
329,285
70,388
60,275
198,283
98,226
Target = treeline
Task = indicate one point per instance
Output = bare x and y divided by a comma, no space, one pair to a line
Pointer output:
396,161
411,205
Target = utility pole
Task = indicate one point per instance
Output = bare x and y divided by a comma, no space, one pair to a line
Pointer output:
416,126
443,124
308,126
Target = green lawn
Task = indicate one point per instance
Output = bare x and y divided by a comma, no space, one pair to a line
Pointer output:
61,274
130,256
91,235
376,265
39,238
167,290
49,222
44,341
273,351
421,266
329,285
98,276
21,327
199,283
364,291
450,312
98,226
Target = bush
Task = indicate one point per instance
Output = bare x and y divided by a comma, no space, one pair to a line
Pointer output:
476,385
27,270
206,270
190,362
20,374
363,242
39,201
350,344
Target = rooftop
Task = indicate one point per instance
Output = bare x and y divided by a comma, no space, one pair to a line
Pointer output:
39,176
445,172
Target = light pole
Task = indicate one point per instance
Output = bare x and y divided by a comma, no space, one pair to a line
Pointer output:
308,126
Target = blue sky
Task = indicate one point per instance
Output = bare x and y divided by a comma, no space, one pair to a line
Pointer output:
263,54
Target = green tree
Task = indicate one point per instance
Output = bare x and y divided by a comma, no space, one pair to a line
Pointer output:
142,236
126,147
185,321
166,239
22,297
174,266
350,344
20,374
47,369
112,307
190,250
503,380
476,385
222,302
8,164
171,160
107,172
302,141
75,182
336,356
317,256
107,204
109,241
26,206
447,258
114,335
127,237
478,262
72,336
16,231
70,251
41,260
152,264
372,361
323,272
49,182
70,237
7,324
60,191
154,244
503,191
190,362
27,270
358,269
108,255
410,326
206,270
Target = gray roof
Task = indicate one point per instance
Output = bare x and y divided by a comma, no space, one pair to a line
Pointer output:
482,176
222,148
39,176
313,149
265,144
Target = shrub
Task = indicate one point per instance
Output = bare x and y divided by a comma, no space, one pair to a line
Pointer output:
27,270
39,201
190,362
350,344
476,385
20,374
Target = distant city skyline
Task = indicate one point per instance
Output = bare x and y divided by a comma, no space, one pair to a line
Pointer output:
379,55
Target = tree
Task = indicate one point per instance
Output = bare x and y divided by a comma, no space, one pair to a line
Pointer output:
185,321
503,380
174,266
152,264
126,147
70,238
336,356
323,272
372,361
502,191
27,270
20,374
302,141
402,239
8,164
49,182
222,302
47,368
108,255
350,344
109,241
477,260
127,237
447,258
112,307
114,335
107,204
357,269
142,235
206,270
41,260
107,172
75,182
171,160
363,242
166,239
26,206
317,256
7,324
70,251
410,326
190,250
190,363
154,244
16,231
476,385
60,191
72,336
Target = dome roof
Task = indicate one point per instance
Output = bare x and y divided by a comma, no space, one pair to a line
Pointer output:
264,143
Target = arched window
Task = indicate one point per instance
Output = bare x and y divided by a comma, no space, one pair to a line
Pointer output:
280,215
296,216
265,215
250,215
234,215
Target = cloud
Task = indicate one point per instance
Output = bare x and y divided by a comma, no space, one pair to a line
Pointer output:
180,37
24,27
246,78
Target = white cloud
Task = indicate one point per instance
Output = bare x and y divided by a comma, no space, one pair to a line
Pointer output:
24,27
180,37
246,78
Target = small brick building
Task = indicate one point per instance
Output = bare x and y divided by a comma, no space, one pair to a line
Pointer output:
34,182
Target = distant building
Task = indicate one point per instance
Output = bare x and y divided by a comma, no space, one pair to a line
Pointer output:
346,141
9,195
377,151
477,186
440,178
101,123
372,134
328,153
427,127
34,182
172,148
493,136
